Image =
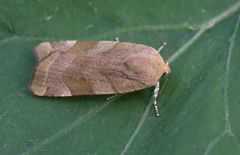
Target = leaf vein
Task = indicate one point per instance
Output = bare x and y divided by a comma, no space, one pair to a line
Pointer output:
227,130
140,28
226,82
213,142
67,129
205,26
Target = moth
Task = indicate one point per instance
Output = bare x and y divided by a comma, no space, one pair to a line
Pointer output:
73,68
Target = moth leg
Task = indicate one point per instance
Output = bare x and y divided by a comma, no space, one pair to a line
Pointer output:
155,95
116,39
161,47
110,97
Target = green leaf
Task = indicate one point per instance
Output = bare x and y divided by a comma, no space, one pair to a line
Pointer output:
199,103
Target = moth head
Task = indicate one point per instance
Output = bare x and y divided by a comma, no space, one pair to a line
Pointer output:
167,68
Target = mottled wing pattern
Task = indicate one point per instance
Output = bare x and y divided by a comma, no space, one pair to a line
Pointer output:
72,68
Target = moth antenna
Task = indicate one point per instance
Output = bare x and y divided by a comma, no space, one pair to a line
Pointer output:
156,92
167,65
155,95
111,97
161,47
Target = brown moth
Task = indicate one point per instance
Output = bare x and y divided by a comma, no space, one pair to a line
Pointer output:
71,68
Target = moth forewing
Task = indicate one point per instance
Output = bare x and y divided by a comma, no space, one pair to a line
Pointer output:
72,68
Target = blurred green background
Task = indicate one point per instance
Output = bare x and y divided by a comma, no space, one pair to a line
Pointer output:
200,103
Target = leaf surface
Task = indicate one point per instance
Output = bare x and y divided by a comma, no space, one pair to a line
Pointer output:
199,103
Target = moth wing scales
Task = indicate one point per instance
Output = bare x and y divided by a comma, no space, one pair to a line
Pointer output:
97,68
44,49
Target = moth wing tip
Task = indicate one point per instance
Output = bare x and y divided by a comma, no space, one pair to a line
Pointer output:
42,50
